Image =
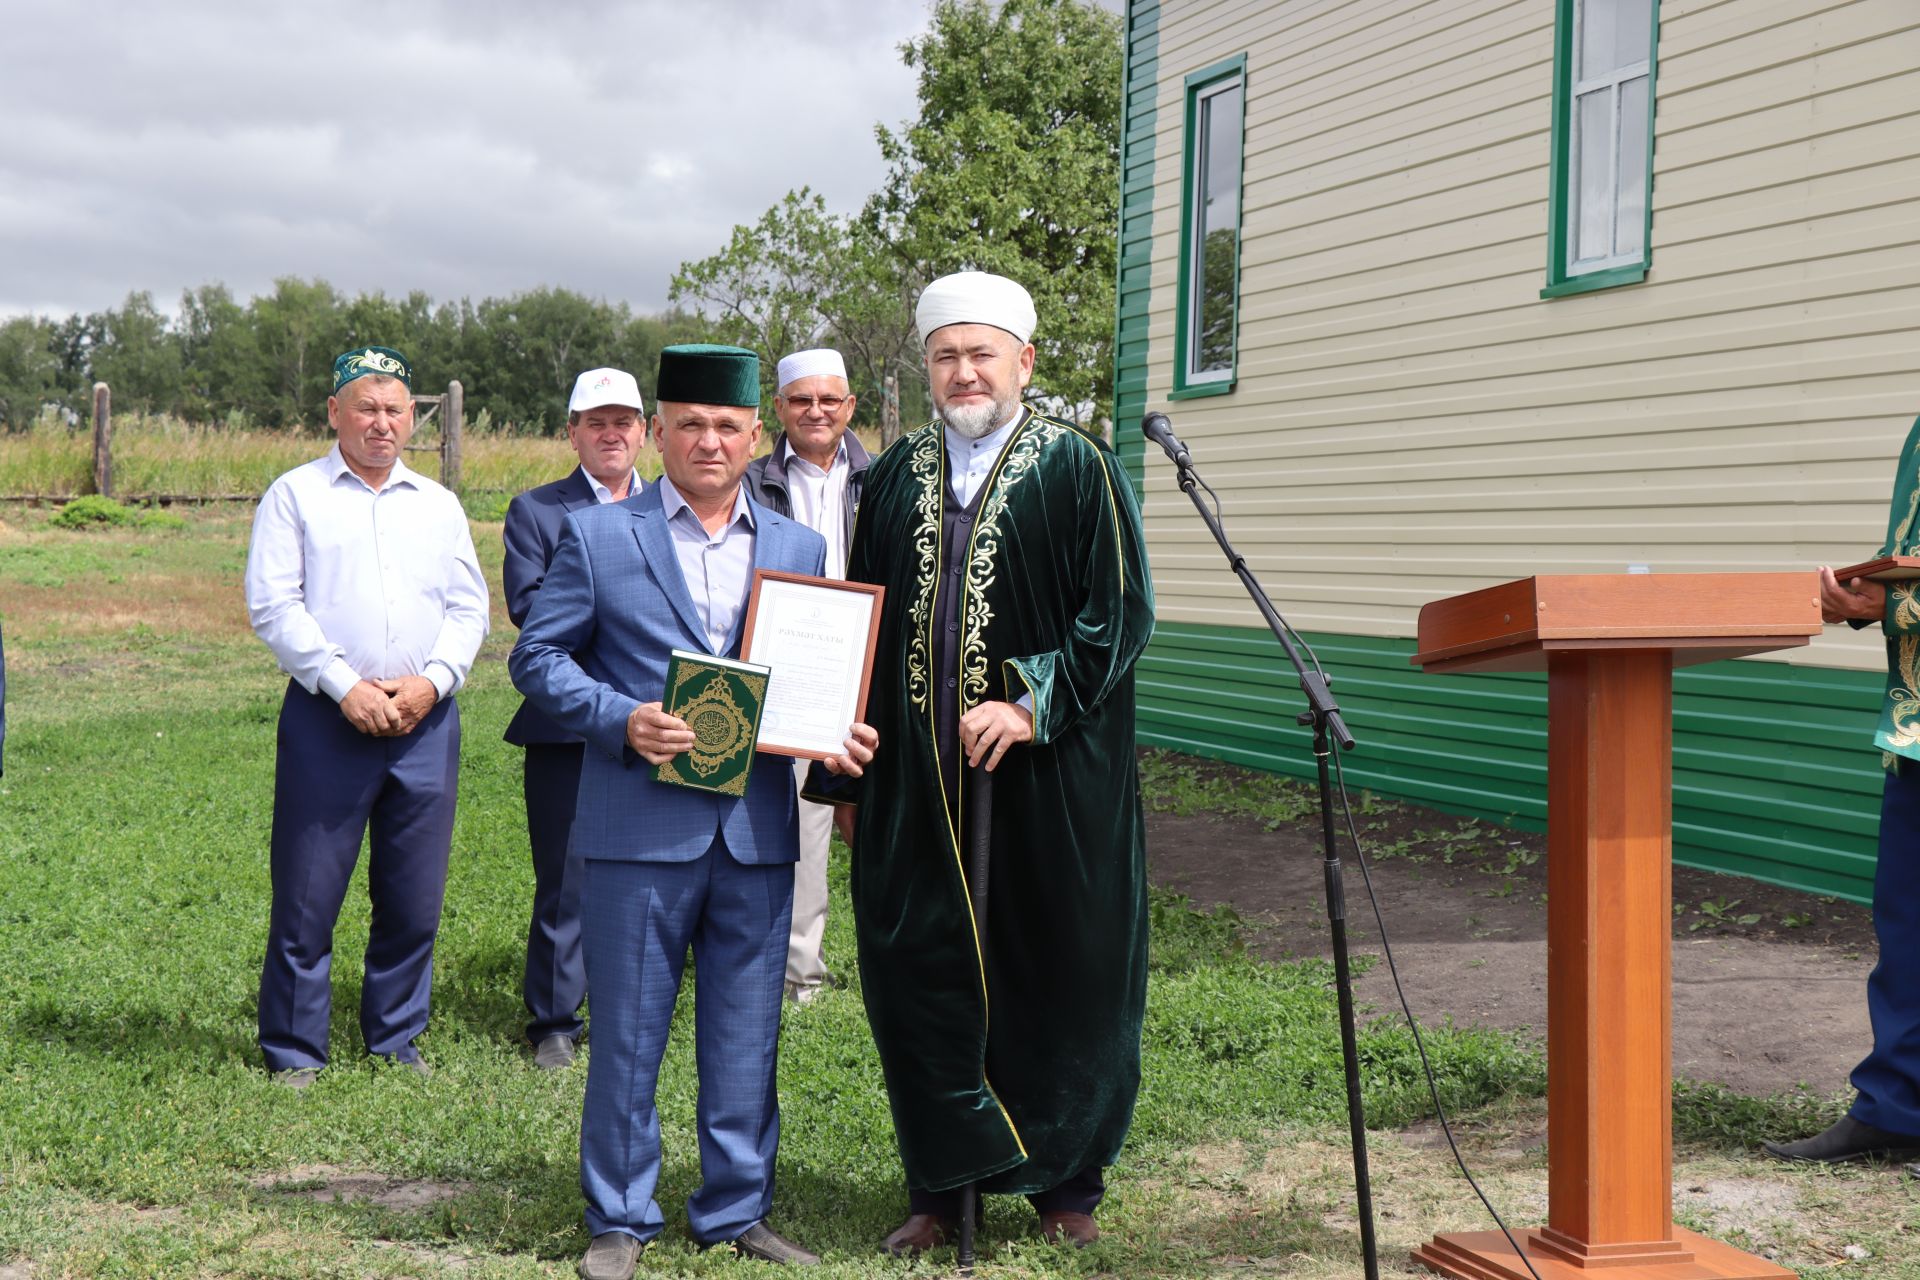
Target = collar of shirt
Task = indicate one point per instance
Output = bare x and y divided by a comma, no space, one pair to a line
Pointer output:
964,448
602,494
839,459
672,504
336,465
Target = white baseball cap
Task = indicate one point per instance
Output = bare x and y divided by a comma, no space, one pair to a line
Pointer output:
598,387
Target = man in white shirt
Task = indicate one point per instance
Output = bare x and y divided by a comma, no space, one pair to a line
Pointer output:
362,580
605,426
813,475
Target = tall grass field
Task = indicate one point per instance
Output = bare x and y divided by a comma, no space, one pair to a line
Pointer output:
139,1135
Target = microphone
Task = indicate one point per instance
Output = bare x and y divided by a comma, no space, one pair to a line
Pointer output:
1157,428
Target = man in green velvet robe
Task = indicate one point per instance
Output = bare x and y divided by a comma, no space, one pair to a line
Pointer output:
1018,599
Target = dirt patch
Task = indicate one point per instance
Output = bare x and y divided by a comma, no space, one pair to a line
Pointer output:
1294,1190
330,1185
1751,1207
1759,1005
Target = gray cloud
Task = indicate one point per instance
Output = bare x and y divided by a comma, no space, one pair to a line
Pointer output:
466,149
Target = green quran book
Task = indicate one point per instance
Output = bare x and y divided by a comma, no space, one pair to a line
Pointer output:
720,700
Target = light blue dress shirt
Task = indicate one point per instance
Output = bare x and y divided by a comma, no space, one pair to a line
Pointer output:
604,495
718,567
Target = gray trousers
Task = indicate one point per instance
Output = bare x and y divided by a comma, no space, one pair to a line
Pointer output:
804,966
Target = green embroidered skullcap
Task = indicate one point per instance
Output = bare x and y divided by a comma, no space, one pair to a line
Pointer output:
702,373
359,363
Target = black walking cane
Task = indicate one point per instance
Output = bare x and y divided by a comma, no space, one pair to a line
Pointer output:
979,842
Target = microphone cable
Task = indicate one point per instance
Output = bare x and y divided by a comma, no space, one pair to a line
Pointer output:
1386,947
1413,1024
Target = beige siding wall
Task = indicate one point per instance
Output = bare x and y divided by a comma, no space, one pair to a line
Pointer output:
1412,419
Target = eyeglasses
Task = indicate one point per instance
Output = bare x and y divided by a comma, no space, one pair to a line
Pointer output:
826,404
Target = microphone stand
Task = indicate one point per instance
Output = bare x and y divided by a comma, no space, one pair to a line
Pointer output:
1324,715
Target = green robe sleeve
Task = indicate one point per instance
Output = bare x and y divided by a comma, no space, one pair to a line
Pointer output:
1115,615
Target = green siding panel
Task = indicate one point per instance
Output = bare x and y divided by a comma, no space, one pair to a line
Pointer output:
1138,90
1774,772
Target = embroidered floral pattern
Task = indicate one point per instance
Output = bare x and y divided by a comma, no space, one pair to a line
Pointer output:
923,464
1022,455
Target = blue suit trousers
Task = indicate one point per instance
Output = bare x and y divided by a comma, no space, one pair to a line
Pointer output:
638,920
1888,1080
554,985
331,782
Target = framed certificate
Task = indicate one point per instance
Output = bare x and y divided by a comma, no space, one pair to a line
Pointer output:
816,637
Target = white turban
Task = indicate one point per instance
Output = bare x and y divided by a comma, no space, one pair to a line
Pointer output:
975,297
807,364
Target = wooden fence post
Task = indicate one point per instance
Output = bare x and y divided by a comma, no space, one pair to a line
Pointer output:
102,440
453,421
890,411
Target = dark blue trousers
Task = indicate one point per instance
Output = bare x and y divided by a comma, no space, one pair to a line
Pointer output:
637,921
1888,1080
331,783
555,982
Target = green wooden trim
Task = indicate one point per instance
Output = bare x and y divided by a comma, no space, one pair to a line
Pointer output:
1596,280
1206,77
1559,166
1775,773
1202,389
1134,266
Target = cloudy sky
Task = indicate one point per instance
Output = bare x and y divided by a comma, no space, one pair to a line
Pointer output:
473,148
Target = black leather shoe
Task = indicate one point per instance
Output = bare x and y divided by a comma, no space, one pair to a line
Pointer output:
555,1053
613,1255
763,1242
1847,1140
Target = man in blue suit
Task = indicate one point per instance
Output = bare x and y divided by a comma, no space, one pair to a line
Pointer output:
605,428
668,867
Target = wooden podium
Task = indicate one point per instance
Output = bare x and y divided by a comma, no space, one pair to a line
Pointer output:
1609,643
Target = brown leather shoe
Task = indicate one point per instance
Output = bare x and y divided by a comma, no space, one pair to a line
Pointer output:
919,1233
1076,1229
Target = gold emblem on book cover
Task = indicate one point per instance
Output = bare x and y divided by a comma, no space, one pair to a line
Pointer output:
721,727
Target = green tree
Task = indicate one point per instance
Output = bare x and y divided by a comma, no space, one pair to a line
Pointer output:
135,351
30,370
802,277
220,355
532,346
300,329
1013,167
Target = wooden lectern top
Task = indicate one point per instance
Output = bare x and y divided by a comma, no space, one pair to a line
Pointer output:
1701,617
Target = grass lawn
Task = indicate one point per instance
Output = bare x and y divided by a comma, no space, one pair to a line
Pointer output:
140,1137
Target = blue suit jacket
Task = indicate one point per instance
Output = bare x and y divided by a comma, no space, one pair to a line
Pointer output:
595,646
532,534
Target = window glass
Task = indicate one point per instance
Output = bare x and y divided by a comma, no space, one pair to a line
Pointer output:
1604,202
1631,222
1593,235
1217,230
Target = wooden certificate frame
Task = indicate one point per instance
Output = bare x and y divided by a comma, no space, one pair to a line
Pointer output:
803,622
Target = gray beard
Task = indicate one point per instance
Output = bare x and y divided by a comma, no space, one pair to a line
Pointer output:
976,421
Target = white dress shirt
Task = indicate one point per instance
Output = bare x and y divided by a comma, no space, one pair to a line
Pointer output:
604,495
970,462
346,583
715,566
819,502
